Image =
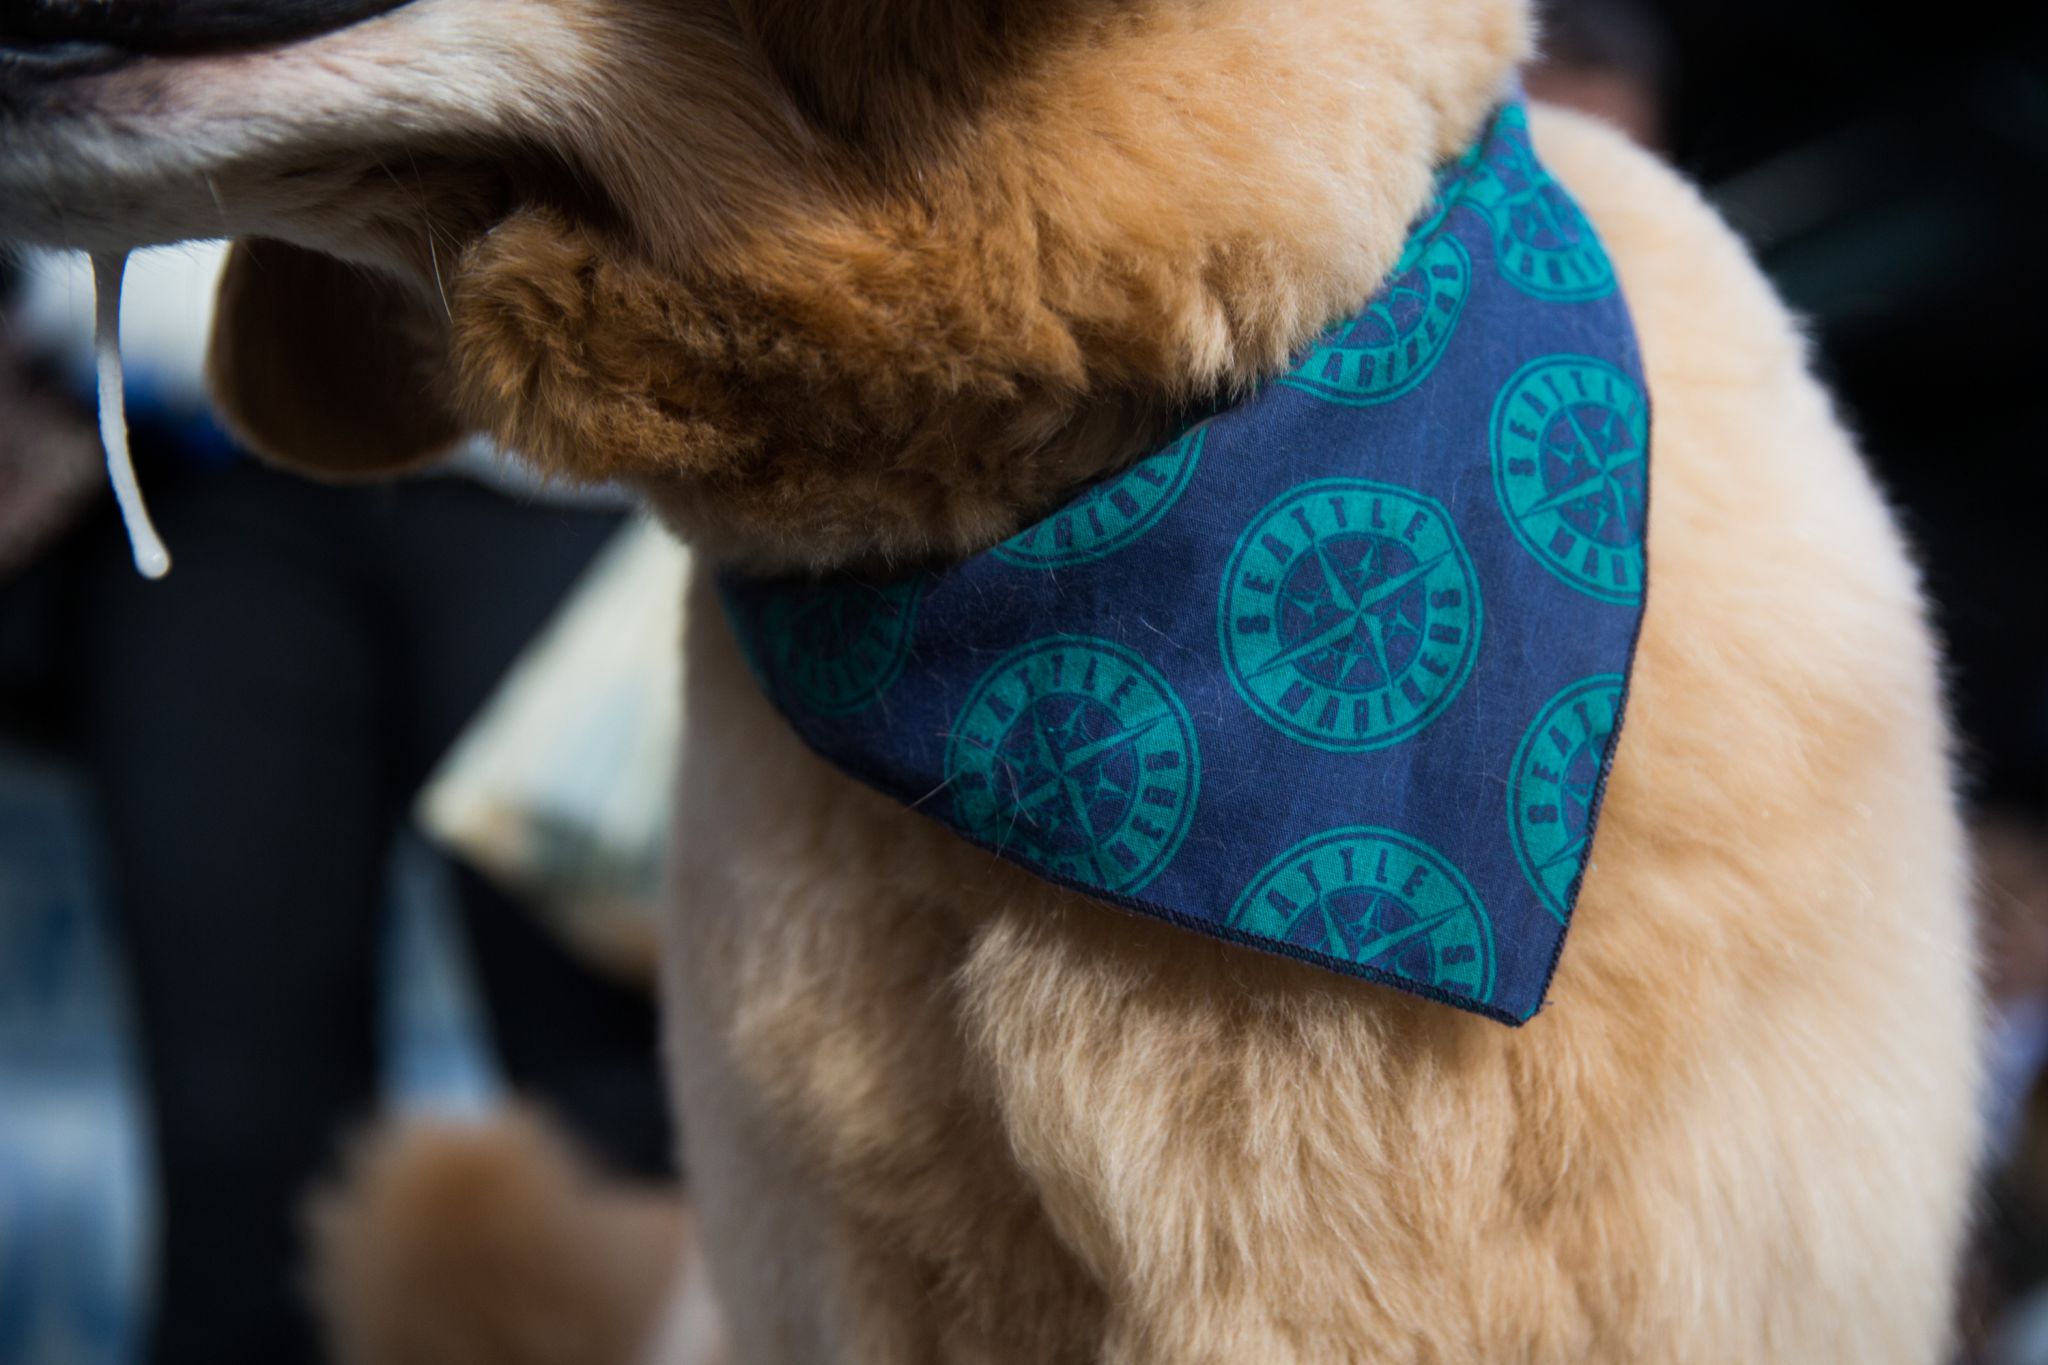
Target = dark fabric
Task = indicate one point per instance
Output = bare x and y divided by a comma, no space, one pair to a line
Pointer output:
1337,674
256,725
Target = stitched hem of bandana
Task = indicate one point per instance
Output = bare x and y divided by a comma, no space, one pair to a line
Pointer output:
1205,927
1628,682
1212,928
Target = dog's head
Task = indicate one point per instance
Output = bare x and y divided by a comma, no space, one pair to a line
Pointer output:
830,280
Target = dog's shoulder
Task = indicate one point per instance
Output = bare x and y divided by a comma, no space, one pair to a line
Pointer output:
1785,614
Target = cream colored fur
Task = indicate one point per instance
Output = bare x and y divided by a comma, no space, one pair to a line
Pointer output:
825,306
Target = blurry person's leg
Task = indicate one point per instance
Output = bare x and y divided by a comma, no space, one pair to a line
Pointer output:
477,574
257,724
231,714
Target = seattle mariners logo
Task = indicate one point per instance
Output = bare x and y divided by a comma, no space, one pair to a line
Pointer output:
1075,755
832,648
1393,345
1379,899
1570,439
1350,614
1543,242
1552,785
1111,515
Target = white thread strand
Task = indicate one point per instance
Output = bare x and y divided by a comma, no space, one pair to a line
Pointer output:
152,560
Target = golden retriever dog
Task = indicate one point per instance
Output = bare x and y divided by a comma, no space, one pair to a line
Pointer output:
870,283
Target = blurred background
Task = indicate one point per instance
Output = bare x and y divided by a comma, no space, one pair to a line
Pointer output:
361,806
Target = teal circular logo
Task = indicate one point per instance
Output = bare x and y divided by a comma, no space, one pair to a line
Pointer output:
1379,899
1542,241
1110,515
832,648
1571,440
1350,614
1554,781
1074,754
1392,346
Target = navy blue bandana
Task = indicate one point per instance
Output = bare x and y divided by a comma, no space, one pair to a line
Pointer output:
1336,674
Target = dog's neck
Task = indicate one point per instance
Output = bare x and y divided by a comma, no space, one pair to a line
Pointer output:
993,267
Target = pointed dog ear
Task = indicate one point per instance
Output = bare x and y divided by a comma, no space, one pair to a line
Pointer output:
327,369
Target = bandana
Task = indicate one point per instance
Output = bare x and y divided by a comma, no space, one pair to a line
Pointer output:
1337,674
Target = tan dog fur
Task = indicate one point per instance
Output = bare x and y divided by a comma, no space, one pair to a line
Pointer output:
465,1243
873,284
1740,1131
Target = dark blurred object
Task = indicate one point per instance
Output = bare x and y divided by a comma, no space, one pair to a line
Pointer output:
2005,1319
256,725
1887,164
1608,58
49,458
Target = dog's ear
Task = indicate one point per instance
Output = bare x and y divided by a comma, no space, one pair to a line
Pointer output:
325,368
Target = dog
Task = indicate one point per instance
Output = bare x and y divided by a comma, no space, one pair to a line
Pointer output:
846,286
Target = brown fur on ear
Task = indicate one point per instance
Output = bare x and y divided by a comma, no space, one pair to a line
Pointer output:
325,367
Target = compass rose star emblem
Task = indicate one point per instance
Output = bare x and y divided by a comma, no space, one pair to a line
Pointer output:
1570,465
1076,755
1554,785
1378,899
1350,614
834,648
